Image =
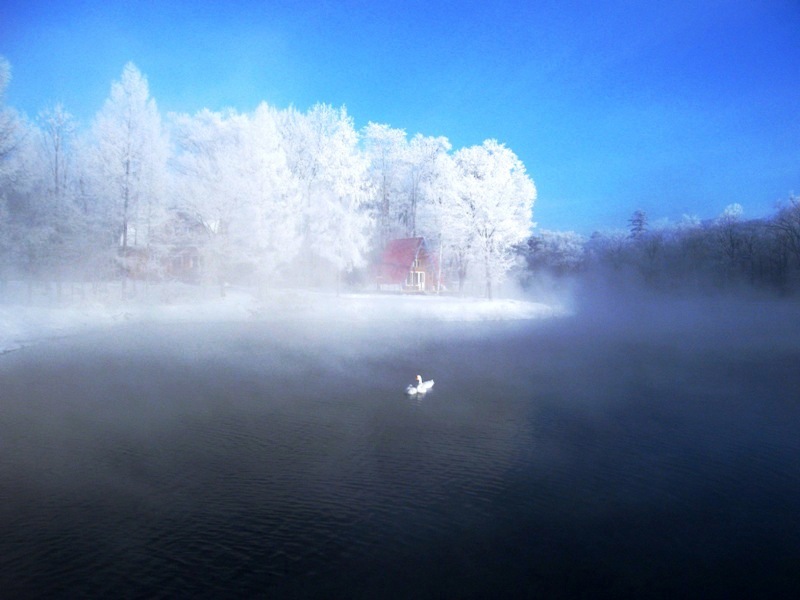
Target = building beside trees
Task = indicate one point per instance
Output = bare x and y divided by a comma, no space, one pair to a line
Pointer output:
406,265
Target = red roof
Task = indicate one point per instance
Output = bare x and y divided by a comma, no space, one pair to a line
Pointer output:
397,259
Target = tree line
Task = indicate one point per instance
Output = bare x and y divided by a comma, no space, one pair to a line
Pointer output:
267,196
725,253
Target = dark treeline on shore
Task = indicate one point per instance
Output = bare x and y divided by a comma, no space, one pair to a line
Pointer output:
728,253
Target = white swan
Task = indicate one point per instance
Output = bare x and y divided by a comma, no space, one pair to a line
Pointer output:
420,388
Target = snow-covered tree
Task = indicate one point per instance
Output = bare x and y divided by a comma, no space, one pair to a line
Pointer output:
333,181
235,180
421,157
58,136
57,128
25,229
442,220
10,124
385,148
274,209
203,184
497,196
9,131
559,252
127,161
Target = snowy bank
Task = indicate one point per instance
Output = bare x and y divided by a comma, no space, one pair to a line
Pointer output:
400,308
22,325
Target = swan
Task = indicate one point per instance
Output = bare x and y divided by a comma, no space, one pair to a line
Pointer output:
421,387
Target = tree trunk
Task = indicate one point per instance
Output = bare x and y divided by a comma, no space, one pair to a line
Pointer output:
488,272
439,273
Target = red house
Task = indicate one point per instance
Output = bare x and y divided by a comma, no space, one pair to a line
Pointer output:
407,266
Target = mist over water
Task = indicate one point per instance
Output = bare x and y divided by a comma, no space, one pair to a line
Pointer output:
641,447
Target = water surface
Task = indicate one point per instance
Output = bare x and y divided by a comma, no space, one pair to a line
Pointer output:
583,457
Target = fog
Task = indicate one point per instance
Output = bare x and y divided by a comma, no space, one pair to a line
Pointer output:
568,323
343,334
267,445
718,319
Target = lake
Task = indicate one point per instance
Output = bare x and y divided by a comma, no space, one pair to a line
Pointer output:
635,451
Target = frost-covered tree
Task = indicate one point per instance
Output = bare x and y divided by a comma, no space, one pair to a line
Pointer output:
9,133
203,185
58,136
609,249
57,129
235,180
498,197
442,220
558,252
333,181
38,231
402,172
127,161
10,125
25,230
49,218
386,149
273,211
421,161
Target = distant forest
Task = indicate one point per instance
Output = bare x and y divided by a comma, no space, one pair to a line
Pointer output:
283,197
726,253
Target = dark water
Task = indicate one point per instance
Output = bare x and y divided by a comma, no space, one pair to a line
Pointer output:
613,456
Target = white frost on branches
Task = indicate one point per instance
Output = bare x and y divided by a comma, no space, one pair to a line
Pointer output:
497,199
265,194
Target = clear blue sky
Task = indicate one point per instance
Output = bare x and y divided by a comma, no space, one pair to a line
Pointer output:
672,106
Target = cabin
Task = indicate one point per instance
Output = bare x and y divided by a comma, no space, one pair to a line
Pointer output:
407,266
174,252
183,236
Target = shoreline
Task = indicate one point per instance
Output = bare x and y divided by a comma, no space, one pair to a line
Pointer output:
25,325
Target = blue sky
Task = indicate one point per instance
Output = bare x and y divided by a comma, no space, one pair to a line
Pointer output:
673,107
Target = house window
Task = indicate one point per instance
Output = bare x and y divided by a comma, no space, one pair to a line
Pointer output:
416,280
